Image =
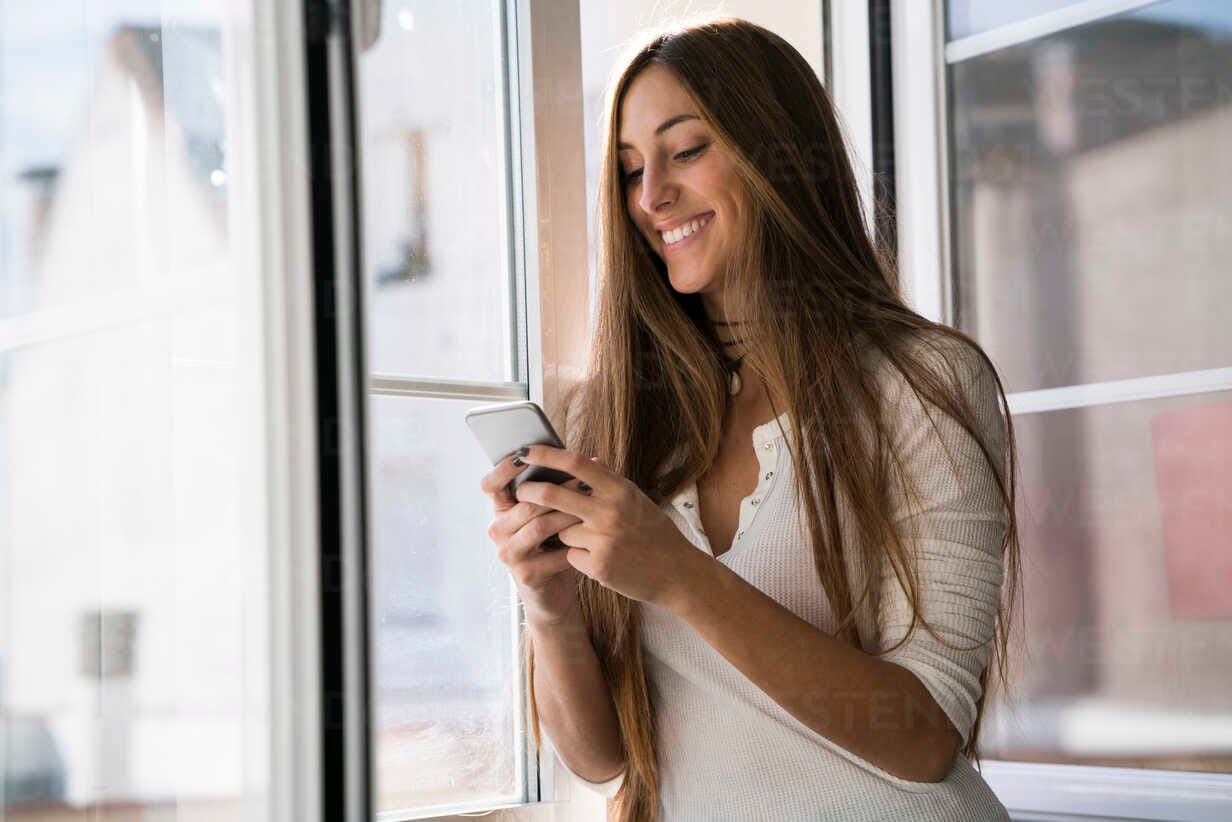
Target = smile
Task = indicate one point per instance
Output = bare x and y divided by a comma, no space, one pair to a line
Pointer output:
696,227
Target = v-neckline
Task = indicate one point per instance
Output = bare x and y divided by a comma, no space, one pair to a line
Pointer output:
766,447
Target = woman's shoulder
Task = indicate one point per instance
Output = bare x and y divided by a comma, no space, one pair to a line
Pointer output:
958,364
951,357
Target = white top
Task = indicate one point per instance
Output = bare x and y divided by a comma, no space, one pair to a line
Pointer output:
726,750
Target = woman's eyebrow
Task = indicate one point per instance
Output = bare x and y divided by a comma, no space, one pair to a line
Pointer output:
664,127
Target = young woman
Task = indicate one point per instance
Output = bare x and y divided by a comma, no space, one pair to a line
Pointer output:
793,507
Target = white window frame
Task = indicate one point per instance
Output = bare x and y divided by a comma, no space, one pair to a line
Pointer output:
275,89
920,54
846,54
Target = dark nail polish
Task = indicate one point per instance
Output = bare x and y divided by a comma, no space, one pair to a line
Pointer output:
518,462
524,450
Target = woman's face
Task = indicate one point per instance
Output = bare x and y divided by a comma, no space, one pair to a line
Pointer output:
675,178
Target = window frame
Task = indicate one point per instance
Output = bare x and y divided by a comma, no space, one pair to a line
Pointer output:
274,85
922,154
846,53
337,299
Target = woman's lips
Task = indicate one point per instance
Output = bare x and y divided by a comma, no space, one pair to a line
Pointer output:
683,242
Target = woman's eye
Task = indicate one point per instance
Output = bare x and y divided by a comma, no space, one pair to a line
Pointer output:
691,153
632,176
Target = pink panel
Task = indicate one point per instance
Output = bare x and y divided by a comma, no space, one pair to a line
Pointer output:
1193,476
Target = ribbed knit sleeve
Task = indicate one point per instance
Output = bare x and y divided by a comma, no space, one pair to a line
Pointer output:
608,788
956,530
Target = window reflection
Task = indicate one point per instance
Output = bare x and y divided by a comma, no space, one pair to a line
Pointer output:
1092,201
446,687
1127,650
132,537
436,194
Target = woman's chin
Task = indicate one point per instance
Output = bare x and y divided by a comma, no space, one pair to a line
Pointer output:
687,284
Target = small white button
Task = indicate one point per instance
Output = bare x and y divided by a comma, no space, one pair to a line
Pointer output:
688,505
755,501
769,474
739,535
768,446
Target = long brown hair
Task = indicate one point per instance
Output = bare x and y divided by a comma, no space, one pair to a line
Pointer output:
812,283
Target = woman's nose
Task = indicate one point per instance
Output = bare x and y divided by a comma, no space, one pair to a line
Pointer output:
656,189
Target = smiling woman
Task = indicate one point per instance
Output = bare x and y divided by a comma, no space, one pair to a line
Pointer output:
680,185
855,503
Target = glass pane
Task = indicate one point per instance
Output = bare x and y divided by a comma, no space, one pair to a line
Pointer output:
133,611
1127,572
966,17
608,26
435,175
1092,192
448,696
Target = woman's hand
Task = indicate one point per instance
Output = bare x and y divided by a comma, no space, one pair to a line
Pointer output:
620,538
546,582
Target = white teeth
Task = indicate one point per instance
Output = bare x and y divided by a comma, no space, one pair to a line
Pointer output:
679,233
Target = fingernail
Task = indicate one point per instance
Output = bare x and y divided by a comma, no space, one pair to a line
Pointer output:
584,488
524,450
518,462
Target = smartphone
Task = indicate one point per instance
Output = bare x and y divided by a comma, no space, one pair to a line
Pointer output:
503,428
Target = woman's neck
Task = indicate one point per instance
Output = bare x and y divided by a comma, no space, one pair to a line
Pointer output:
733,336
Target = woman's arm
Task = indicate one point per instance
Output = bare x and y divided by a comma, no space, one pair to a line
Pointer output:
574,703
875,709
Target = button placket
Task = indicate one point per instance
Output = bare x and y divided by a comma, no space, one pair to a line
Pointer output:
686,501
692,514
768,453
